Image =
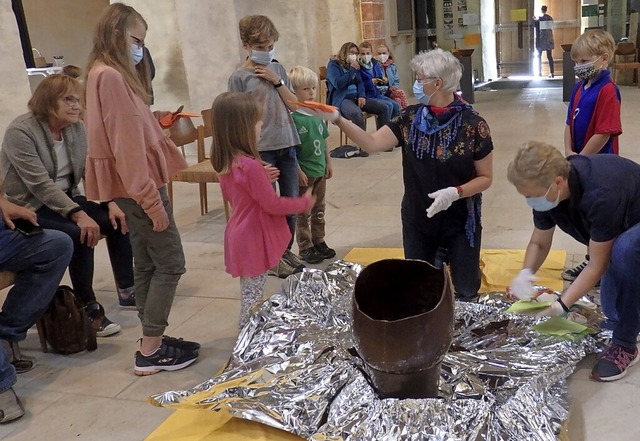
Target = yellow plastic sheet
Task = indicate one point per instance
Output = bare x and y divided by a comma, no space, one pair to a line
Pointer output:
206,425
499,267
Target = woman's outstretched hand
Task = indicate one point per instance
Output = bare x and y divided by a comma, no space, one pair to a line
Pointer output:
442,200
327,116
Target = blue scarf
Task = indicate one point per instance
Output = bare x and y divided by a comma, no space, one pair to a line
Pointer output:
435,126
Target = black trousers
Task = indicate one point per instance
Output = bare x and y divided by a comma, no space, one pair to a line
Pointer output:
81,266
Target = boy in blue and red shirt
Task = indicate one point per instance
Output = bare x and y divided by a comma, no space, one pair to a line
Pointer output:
593,116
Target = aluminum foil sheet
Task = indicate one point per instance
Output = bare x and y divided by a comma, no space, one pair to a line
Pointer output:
294,367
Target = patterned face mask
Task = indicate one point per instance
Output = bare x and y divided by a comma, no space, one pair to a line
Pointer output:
587,71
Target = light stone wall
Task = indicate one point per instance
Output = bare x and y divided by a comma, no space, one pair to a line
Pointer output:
14,87
63,27
195,44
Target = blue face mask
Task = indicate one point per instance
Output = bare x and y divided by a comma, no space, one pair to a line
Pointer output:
541,203
418,92
263,57
136,53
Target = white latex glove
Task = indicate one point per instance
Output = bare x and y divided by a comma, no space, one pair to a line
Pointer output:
555,310
443,200
522,285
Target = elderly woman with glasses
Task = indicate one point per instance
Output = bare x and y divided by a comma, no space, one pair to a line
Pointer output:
447,163
42,163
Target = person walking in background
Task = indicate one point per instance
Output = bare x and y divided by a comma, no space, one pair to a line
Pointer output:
315,168
544,39
593,122
267,79
257,234
129,161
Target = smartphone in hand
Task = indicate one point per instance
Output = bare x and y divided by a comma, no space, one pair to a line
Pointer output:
26,227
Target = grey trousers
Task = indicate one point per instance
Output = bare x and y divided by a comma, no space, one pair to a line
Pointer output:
158,263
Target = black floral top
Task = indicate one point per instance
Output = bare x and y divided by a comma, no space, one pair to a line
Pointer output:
439,149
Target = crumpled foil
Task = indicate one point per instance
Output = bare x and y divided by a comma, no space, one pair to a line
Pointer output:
294,367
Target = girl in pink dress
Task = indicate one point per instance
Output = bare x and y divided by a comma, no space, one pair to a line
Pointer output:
257,233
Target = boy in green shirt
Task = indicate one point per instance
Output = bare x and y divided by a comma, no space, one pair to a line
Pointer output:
314,168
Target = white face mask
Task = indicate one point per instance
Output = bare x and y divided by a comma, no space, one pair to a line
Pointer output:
352,58
383,58
136,53
366,59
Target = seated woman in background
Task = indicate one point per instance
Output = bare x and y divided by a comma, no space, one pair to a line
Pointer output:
346,90
42,162
372,75
390,84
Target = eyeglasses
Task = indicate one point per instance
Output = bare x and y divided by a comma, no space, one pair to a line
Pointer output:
72,101
427,80
137,41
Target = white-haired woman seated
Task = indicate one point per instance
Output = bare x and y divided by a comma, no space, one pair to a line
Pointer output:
447,163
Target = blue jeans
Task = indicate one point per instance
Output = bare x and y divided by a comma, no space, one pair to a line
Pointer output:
82,263
447,245
381,109
620,292
286,161
394,105
39,263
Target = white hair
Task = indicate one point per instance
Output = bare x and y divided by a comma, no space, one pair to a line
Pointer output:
437,63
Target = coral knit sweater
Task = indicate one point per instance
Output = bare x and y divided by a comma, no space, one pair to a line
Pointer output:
129,155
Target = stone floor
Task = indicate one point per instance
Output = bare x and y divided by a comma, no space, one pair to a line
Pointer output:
96,396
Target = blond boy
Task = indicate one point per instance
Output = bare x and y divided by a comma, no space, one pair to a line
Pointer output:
314,168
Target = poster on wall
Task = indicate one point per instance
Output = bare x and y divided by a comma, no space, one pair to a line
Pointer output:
454,12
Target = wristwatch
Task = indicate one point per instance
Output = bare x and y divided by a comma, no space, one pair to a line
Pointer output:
279,83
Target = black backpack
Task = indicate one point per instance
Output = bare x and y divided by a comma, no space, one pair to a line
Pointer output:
65,325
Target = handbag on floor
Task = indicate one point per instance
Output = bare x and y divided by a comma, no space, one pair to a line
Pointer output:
65,326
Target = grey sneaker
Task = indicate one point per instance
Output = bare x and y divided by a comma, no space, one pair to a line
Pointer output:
10,406
283,269
292,260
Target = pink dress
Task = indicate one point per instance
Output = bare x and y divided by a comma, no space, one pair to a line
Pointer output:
257,233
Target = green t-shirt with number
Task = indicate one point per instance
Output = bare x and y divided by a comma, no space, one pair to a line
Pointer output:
311,151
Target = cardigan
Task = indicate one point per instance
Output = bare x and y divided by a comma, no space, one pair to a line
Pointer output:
30,167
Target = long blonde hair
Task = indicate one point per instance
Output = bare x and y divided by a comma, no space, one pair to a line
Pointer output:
110,47
234,116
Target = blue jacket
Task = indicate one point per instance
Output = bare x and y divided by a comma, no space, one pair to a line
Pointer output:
370,89
339,80
391,72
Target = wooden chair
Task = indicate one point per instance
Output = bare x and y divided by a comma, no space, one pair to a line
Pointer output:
323,92
624,58
202,172
183,132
